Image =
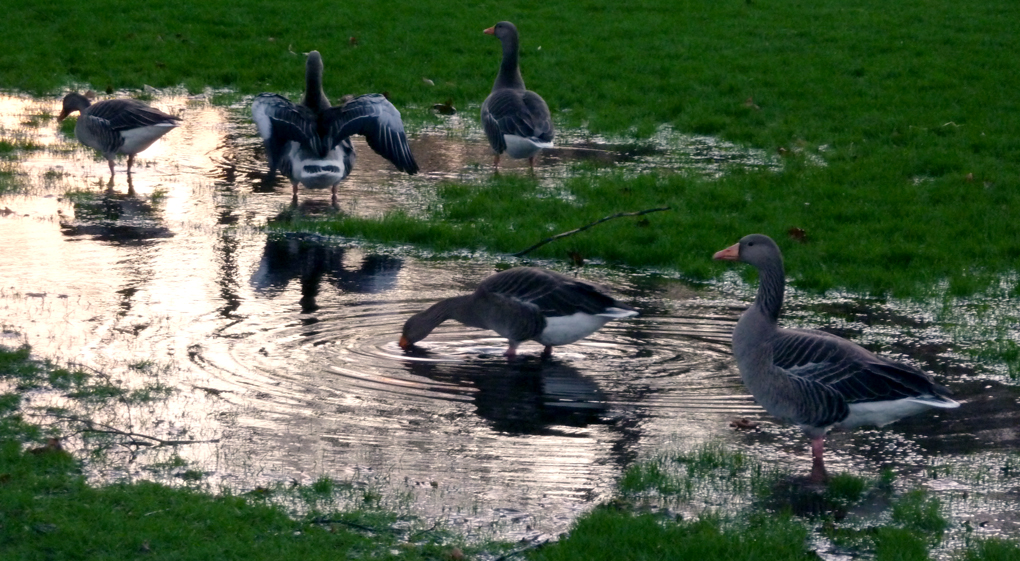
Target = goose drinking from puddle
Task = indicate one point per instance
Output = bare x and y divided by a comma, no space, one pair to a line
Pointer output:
515,120
116,126
813,379
310,142
524,304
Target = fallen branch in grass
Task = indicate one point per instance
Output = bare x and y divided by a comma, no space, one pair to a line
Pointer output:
90,426
525,549
413,536
583,228
355,525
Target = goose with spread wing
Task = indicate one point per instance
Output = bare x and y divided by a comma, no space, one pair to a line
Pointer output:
310,142
523,304
116,126
814,379
516,120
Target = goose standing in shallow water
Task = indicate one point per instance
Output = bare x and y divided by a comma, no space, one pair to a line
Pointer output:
310,142
515,120
521,304
116,126
813,379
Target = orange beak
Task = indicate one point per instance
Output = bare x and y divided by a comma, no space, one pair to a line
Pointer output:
731,253
490,31
63,115
404,343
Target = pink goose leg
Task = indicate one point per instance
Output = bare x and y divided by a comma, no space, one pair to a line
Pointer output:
818,473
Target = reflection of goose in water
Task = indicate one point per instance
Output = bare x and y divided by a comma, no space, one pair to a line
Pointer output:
314,262
113,217
523,397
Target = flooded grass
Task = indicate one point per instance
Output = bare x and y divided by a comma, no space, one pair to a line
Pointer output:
49,507
204,361
853,516
870,139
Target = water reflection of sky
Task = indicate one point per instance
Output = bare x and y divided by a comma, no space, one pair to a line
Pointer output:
283,347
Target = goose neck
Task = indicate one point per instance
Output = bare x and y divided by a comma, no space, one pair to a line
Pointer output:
315,98
771,285
456,308
509,70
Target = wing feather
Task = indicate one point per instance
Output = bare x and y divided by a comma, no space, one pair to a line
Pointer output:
854,372
516,112
375,118
551,293
125,114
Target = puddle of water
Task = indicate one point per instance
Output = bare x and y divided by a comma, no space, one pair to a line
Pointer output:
284,347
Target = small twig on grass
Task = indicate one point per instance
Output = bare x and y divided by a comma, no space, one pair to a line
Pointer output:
420,532
583,228
90,426
524,549
322,520
92,368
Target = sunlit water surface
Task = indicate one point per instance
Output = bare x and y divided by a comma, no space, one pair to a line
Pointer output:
281,349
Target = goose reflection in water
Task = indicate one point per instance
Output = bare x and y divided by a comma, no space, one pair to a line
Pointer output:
522,397
313,263
121,219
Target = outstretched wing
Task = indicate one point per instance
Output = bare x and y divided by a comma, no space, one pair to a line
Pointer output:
280,121
854,372
374,117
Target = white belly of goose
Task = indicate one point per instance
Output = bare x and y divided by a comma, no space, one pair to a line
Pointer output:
881,413
136,140
520,147
561,330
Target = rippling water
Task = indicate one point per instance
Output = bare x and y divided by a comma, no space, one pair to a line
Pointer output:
283,347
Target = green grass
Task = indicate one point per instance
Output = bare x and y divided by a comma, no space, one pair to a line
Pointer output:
883,71
862,516
993,550
616,535
50,512
920,513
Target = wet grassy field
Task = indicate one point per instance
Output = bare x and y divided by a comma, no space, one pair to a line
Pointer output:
667,507
897,124
898,131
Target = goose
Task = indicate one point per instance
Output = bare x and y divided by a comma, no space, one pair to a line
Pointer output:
310,142
116,126
522,304
515,120
816,380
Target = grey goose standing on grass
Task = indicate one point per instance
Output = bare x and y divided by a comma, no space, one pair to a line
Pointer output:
116,126
515,120
813,379
522,304
310,142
